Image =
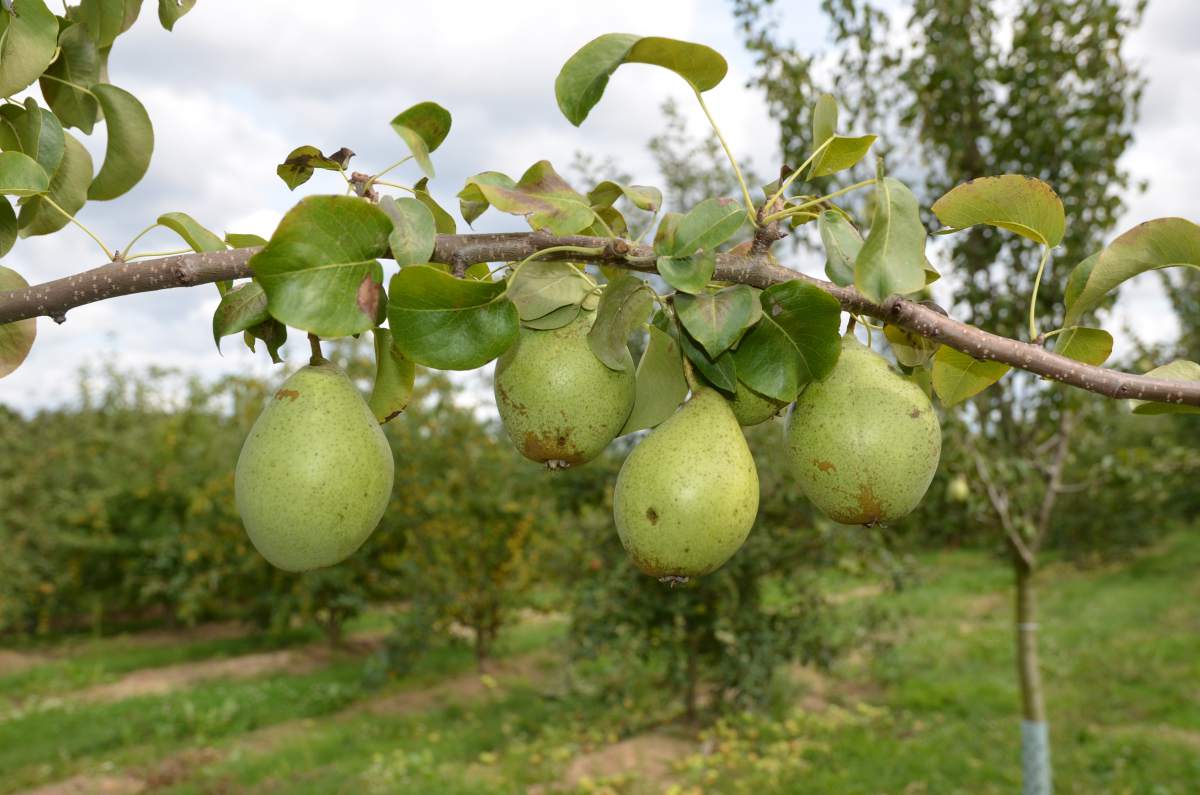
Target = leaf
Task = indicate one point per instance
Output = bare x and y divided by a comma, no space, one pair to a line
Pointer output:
169,11
20,175
423,127
541,195
1161,243
394,377
16,338
795,342
688,274
825,116
584,76
842,243
661,385
297,168
195,235
892,260
1087,345
30,37
707,225
271,332
240,309
841,154
414,231
716,320
1017,203
8,227
33,131
556,319
130,143
320,258
448,323
68,189
957,376
239,240
720,372
1178,370
539,288
665,235
911,350
641,196
442,220
624,306
67,80
102,19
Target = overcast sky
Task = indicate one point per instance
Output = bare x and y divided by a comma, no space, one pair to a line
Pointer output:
238,85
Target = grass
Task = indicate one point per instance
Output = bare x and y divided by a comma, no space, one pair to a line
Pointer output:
935,712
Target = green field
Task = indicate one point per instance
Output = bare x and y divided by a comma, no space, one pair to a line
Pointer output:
932,711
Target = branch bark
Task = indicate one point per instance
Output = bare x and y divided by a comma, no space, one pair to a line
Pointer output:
53,299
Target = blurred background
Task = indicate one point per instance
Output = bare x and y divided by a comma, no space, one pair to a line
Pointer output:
491,637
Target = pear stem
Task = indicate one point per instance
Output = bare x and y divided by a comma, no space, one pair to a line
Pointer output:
314,342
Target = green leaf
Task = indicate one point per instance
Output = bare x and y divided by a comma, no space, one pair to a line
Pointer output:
442,220
76,69
423,127
842,243
239,240
892,260
448,323
1178,370
841,154
957,376
16,338
8,227
1017,203
624,306
195,235
1087,345
319,268
707,225
541,195
688,274
297,168
661,385
414,231
720,372
716,320
130,143
240,309
641,196
169,11
394,377
825,116
33,131
101,18
68,189
20,175
1161,243
584,76
795,342
540,287
30,37
271,332
556,319
911,350
665,235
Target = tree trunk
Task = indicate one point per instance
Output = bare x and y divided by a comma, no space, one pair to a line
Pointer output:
692,671
1035,733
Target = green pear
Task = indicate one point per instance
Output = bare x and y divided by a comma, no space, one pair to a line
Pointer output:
687,495
559,403
315,473
958,490
864,443
751,408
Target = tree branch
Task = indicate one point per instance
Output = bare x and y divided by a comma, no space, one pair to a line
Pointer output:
53,299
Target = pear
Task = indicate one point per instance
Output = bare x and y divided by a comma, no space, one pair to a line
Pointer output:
687,495
864,443
559,403
315,473
751,408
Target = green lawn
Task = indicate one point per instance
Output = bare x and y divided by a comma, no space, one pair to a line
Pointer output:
933,712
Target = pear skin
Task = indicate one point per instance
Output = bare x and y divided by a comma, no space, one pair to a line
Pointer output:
560,404
687,495
863,444
315,474
751,408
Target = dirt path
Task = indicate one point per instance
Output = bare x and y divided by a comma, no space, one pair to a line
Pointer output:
648,758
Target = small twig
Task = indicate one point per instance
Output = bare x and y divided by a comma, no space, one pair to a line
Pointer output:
314,344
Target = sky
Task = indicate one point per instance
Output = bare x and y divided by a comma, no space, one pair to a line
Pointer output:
238,85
